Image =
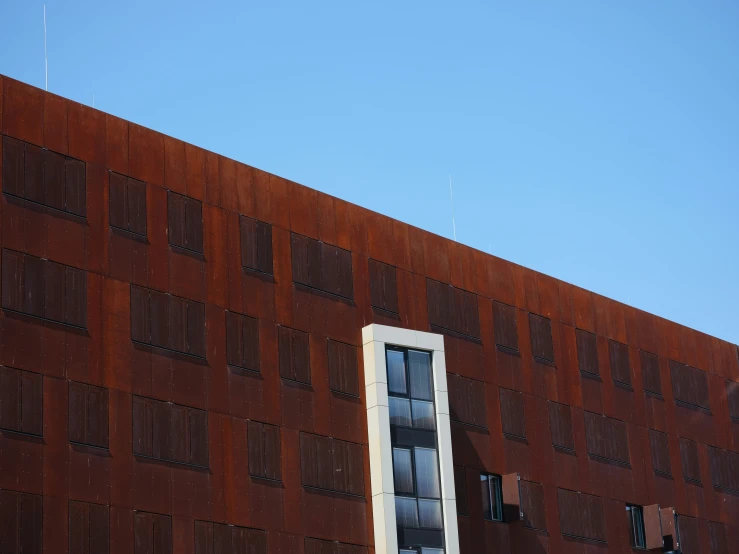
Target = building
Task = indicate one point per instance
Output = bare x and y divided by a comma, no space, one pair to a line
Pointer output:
200,357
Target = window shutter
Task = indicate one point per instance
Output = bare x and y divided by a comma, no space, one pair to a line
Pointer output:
650,372
159,306
331,464
687,529
542,347
689,385
620,364
512,413
242,341
21,522
177,315
342,368
54,291
34,174
322,266
198,437
136,206
32,403
152,533
12,280
179,447
33,285
581,515
88,414
506,331
13,166
560,424
689,460
176,219
294,350
724,468
264,450
89,528
10,398
142,427
383,286
140,310
587,352
732,394
467,400
717,537
532,505
452,309
660,448
54,177
75,305
606,438
75,188
117,201
193,225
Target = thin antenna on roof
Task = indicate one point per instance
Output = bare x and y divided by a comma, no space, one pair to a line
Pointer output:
46,58
451,196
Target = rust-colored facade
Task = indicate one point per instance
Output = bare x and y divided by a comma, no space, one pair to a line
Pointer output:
180,332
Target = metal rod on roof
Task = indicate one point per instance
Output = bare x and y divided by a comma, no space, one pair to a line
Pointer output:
451,196
46,58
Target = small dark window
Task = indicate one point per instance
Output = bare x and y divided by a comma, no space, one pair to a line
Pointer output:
650,372
587,352
170,432
127,204
185,216
560,424
256,245
383,286
506,330
492,497
242,341
342,368
467,400
264,451
660,448
44,289
322,266
21,526
43,177
294,351
512,413
542,346
636,526
88,414
89,528
152,533
222,538
732,394
689,460
620,365
21,401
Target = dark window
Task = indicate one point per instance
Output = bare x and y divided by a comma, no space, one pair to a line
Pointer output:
221,538
21,522
185,222
724,468
43,177
127,204
560,424
417,487
506,330
44,289
21,401
383,286
331,464
512,415
410,389
152,533
689,385
732,394
492,497
620,365
167,321
717,537
322,266
242,341
316,546
581,515
660,447
689,537
467,400
587,352
256,244
452,309
88,414
342,368
542,347
264,451
294,350
460,487
606,438
170,432
532,505
89,528
650,372
635,516
689,460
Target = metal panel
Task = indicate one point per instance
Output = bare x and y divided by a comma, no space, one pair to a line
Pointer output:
196,328
75,301
12,281
345,277
159,310
194,225
79,528
272,449
689,385
689,460
299,252
234,340
136,206
34,173
33,285
718,538
176,218
30,520
249,248
606,438
505,326
179,447
250,343
587,352
177,329
255,436
13,169
329,269
198,437
512,413
99,529
620,365
690,542
542,346
532,505
724,468
75,187
652,527
732,395
140,315
660,449
203,537
264,247
10,398
54,179
32,403
117,201
560,424
650,372
161,419
142,426
77,412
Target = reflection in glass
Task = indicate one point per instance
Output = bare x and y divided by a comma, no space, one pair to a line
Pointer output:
429,514
427,473
423,414
427,550
491,497
420,370
400,411
403,470
406,513
396,381
636,526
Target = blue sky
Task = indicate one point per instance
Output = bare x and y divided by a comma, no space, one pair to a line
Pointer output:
597,142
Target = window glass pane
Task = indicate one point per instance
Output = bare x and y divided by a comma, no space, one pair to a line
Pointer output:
427,550
429,514
400,411
427,473
406,512
491,508
402,470
636,526
396,381
423,414
487,507
420,370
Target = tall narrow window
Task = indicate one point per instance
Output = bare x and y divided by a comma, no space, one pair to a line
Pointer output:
492,497
409,384
185,222
21,526
342,368
636,526
383,286
512,413
21,401
152,533
650,372
88,414
89,528
587,352
542,346
242,341
690,462
127,204
256,245
294,350
620,365
506,330
264,451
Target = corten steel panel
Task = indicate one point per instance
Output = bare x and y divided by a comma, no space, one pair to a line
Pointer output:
403,275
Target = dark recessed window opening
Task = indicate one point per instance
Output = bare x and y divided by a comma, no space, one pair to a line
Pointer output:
256,245
587,352
506,330
492,497
321,266
185,217
636,526
542,346
383,286
127,204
